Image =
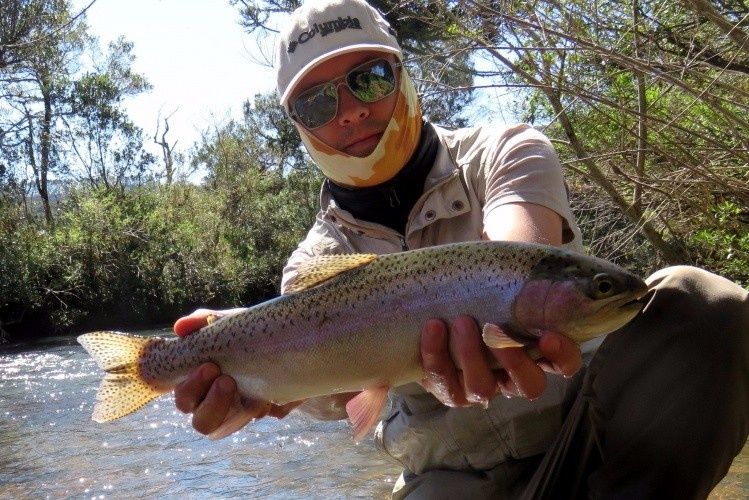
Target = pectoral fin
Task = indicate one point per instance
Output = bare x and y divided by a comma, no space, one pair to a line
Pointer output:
365,408
496,338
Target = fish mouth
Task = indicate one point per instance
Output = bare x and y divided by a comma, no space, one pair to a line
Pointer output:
629,302
641,297
632,307
612,314
635,304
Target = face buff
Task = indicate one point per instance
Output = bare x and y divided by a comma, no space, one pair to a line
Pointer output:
396,146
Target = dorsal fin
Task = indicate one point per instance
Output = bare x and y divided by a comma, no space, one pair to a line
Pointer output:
323,267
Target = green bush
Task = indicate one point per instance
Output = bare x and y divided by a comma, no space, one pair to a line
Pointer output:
725,245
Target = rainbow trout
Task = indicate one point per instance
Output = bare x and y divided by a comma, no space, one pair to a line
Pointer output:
352,323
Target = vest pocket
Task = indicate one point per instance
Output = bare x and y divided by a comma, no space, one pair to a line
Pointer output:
419,441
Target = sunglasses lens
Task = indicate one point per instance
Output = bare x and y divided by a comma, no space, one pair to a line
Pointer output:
372,82
369,83
317,106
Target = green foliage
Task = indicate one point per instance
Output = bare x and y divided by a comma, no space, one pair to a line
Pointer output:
17,261
149,254
138,253
724,241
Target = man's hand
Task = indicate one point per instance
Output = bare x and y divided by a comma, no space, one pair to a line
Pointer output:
457,364
217,408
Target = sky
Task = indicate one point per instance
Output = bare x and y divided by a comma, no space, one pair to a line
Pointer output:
194,53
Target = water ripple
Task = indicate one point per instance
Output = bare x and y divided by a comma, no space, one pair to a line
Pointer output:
52,449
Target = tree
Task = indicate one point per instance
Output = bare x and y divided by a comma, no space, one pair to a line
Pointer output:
25,25
60,122
267,187
34,91
107,144
168,154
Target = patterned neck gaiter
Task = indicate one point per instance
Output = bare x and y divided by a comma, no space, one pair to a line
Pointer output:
396,146
391,202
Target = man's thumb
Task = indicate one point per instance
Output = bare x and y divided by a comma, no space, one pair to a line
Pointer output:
189,324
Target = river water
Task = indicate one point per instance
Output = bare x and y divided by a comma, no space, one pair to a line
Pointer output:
50,448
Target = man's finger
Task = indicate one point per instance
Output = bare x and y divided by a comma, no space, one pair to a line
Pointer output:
213,410
201,318
189,393
561,353
440,374
479,383
526,375
188,324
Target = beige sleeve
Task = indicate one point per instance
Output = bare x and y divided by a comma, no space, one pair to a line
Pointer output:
321,239
522,166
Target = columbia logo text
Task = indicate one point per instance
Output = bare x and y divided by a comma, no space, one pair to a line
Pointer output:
326,28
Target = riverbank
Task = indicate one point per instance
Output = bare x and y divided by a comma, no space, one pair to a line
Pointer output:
35,325
42,331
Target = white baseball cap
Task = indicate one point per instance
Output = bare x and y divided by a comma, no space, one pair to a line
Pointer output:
321,29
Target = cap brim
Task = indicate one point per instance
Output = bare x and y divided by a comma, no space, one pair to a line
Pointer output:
324,57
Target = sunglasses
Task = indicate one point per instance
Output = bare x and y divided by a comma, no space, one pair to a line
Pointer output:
369,82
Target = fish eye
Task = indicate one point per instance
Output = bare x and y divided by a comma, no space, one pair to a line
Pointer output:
603,284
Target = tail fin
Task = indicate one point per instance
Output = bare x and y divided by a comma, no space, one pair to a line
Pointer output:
122,391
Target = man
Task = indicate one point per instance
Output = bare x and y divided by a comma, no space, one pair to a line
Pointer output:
634,427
